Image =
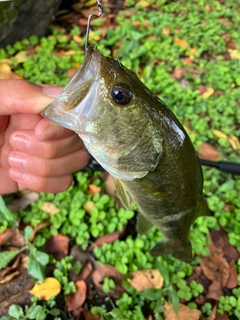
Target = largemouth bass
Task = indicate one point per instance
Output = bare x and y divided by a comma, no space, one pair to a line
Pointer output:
140,142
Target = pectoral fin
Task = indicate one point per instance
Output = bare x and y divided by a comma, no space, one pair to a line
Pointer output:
122,194
143,224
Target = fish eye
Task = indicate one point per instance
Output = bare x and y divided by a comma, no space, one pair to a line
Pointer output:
121,93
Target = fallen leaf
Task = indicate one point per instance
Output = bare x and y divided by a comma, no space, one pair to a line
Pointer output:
221,316
71,73
7,61
166,31
220,240
102,271
146,279
8,269
207,7
50,208
93,189
58,246
181,43
184,313
208,152
47,289
77,38
234,141
231,45
178,73
88,206
208,93
76,299
192,53
87,315
216,269
21,56
86,271
12,237
234,54
107,238
24,199
9,277
39,227
15,292
232,281
6,72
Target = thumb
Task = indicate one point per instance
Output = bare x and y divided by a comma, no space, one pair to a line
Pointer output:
20,96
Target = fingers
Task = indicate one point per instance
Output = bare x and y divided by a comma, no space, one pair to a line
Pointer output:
40,184
26,142
21,96
48,167
48,130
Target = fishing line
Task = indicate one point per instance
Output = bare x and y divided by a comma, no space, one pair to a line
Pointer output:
89,20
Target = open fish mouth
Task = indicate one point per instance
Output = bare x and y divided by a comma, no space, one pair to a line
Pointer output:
74,105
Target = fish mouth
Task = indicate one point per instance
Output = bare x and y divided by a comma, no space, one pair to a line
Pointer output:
75,104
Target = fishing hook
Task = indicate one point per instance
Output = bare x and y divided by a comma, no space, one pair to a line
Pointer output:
89,20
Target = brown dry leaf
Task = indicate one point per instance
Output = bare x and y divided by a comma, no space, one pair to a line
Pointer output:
181,43
107,238
143,3
234,54
51,287
21,56
102,271
12,237
184,313
25,198
208,93
4,272
208,152
232,281
87,315
234,141
16,291
220,240
9,277
86,271
216,269
178,73
76,299
88,206
71,73
146,279
221,316
58,246
7,61
39,227
6,72
166,31
50,208
93,189
77,38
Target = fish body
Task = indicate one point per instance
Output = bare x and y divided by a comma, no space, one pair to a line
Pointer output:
140,142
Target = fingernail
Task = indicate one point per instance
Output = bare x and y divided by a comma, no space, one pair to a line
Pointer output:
20,141
51,133
51,91
17,174
17,160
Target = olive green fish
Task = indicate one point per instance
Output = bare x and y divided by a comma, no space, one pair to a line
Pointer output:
140,142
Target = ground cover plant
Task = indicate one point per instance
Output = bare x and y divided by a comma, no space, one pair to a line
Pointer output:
77,254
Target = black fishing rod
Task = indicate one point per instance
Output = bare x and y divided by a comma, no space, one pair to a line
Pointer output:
230,167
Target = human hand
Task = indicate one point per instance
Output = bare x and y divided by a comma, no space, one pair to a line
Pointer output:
35,153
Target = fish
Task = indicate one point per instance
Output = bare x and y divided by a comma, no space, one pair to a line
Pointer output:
140,142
